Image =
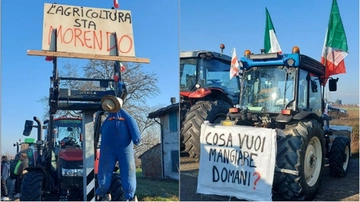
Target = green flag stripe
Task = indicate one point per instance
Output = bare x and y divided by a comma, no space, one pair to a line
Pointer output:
268,26
336,37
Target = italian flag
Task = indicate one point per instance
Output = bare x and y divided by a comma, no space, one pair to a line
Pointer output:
335,46
271,43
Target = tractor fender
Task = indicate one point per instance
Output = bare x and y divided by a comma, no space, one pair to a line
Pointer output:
35,168
281,118
306,114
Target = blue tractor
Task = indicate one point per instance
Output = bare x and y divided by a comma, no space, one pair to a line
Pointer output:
283,91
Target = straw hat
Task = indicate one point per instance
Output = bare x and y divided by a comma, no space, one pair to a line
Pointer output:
111,103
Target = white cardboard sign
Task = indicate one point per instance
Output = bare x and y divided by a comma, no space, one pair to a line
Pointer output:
88,30
237,161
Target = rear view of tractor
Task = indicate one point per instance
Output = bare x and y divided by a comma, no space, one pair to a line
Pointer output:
283,92
206,93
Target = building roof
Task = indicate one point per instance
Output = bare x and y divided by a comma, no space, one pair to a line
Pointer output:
149,150
165,110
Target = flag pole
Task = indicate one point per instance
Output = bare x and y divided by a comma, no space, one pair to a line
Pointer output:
325,54
324,81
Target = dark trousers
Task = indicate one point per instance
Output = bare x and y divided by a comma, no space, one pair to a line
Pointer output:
4,190
18,184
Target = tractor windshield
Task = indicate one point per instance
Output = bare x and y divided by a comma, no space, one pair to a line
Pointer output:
268,88
70,128
208,73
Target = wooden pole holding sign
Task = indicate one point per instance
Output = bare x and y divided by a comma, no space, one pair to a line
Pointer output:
87,56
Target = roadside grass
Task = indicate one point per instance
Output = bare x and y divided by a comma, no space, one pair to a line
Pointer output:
353,121
156,189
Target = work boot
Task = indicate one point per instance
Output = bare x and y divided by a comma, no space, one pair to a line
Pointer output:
133,199
17,195
5,198
107,197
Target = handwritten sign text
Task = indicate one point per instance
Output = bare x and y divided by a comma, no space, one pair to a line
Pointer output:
237,161
88,30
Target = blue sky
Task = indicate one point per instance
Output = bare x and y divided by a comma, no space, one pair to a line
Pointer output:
25,79
241,24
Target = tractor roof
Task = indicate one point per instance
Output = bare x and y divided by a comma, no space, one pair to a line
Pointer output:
196,53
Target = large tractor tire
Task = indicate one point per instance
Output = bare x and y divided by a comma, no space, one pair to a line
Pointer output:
31,186
116,189
213,111
183,112
301,151
339,156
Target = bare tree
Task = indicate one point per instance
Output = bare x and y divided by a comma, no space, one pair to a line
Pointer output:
140,86
150,138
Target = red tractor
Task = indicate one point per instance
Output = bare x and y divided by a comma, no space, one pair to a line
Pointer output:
206,93
58,173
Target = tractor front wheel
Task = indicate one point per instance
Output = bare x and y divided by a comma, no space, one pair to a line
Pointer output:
31,186
213,111
301,151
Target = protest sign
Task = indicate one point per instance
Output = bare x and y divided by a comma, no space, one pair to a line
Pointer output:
237,161
88,30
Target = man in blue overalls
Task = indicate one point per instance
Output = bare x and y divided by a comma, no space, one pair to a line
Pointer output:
118,134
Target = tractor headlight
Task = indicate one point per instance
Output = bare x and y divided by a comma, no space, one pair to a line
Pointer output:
71,172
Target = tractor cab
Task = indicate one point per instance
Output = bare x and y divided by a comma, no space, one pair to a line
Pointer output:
67,133
205,73
279,87
206,93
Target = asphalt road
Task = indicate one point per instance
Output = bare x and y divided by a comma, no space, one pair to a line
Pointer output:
332,188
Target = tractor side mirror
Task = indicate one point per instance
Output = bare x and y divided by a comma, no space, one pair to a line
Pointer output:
333,84
28,127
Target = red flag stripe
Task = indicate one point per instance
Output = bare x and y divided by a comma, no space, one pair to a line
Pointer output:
116,3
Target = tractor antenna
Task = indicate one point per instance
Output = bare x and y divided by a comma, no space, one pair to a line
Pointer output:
222,47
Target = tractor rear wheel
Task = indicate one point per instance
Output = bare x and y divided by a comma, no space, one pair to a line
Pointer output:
213,111
301,151
31,186
116,189
339,156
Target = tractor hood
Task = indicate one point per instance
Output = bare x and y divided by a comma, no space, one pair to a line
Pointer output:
71,154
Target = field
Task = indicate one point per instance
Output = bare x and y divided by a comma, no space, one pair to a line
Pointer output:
156,190
353,121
